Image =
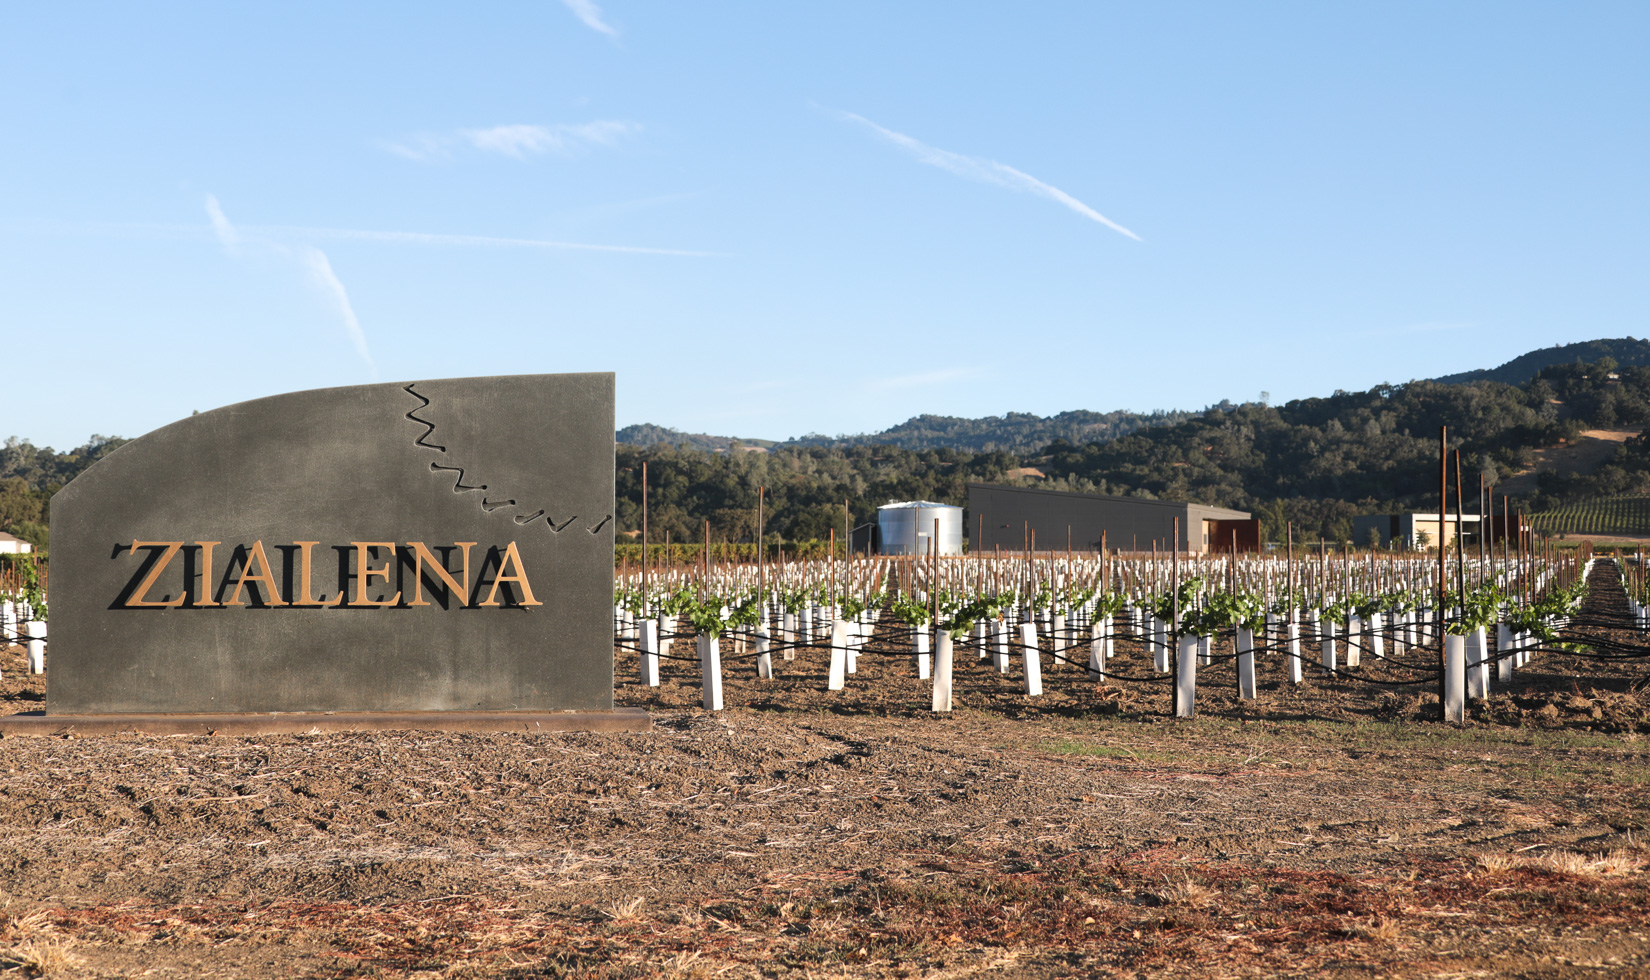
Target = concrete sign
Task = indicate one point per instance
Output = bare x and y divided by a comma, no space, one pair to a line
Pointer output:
434,546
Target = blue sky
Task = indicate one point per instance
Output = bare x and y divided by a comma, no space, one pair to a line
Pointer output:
776,218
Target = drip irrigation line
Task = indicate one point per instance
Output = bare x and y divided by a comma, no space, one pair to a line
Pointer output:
1429,669
6,632
1341,673
1108,675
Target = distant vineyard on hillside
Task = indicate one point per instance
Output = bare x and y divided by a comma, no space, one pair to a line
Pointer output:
1627,513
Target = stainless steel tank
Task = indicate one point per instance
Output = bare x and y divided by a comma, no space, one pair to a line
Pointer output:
907,527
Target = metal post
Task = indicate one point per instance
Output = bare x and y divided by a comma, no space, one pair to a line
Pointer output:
1443,566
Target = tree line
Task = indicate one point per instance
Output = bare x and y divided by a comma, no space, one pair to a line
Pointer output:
30,474
1314,462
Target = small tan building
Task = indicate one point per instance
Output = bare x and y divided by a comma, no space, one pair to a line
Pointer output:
13,545
1413,531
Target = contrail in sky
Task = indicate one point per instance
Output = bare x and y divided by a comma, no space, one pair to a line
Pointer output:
987,171
518,140
320,272
428,238
220,224
591,15
316,266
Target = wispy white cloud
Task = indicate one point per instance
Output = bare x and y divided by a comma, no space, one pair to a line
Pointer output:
267,236
317,270
517,140
520,140
227,236
422,147
591,16
429,238
987,171
319,267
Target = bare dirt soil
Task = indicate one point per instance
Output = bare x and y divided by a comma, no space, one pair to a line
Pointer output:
1587,453
1325,831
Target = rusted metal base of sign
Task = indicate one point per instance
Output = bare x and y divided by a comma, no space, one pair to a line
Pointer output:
307,723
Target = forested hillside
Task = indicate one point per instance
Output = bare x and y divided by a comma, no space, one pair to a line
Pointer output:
1021,432
657,435
1626,351
30,474
1315,461
1016,432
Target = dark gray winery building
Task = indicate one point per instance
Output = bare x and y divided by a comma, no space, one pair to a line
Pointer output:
1003,516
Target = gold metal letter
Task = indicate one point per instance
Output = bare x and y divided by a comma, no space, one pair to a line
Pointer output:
459,585
264,575
136,600
205,596
304,598
362,573
520,578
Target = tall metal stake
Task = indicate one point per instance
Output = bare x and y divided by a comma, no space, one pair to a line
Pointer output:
1460,550
644,539
1174,594
1443,565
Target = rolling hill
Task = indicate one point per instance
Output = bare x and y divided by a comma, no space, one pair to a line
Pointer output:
1627,351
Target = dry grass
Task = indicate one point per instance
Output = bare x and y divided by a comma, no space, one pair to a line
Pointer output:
1611,865
32,950
1377,930
909,917
1189,894
37,958
1614,864
1497,863
625,910
14,926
